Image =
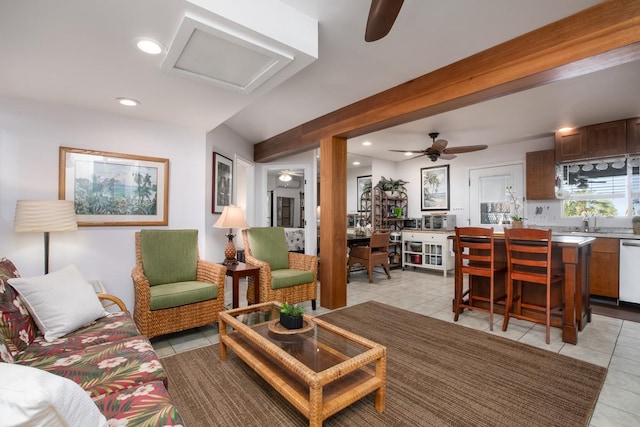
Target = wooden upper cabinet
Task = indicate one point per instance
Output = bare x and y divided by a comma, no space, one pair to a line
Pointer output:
541,175
595,141
633,136
607,139
571,145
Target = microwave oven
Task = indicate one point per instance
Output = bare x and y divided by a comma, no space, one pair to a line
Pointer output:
438,222
412,224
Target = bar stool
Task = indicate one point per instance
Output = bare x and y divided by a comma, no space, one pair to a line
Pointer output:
475,256
529,261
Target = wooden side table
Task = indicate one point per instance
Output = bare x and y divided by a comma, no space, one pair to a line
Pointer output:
236,271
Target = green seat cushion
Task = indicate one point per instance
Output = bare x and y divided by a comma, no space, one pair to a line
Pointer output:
286,277
169,256
270,245
181,293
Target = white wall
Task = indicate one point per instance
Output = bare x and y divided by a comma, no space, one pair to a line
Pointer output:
225,141
30,135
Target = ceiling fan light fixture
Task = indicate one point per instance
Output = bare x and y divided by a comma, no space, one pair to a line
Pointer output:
284,177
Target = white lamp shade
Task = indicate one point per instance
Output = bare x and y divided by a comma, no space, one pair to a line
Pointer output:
231,217
45,215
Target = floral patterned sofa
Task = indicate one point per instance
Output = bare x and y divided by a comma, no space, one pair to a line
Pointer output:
109,359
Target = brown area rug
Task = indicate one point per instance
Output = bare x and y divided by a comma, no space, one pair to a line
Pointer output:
438,374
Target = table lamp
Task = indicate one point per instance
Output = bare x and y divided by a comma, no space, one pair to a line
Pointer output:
45,216
231,218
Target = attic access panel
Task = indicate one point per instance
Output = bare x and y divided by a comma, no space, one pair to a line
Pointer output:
232,59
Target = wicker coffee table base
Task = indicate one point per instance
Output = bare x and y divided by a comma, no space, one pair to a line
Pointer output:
317,395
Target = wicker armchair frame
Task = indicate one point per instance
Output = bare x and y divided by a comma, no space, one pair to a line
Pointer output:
159,322
292,294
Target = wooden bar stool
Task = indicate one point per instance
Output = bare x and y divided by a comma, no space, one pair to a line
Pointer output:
529,261
475,256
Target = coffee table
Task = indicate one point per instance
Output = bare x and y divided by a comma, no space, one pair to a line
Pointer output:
320,371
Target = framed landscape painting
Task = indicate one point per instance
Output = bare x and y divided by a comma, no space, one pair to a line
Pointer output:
113,189
435,188
222,176
364,185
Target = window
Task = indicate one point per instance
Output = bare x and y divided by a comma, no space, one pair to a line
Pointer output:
607,187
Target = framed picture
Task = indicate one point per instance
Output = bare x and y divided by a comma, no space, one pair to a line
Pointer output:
435,188
222,176
363,185
112,189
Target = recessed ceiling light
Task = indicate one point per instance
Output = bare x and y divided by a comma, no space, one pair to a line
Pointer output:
128,102
150,46
408,153
565,129
356,163
366,143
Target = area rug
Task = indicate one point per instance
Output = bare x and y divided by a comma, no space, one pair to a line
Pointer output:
438,374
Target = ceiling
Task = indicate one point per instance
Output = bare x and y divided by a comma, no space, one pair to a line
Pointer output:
80,53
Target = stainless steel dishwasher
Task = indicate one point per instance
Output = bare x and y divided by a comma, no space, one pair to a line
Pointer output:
630,271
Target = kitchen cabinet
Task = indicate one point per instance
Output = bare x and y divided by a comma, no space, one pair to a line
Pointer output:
607,139
427,249
603,273
540,172
633,136
593,141
571,145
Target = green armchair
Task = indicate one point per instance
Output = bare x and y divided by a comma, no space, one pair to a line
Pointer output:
174,289
284,276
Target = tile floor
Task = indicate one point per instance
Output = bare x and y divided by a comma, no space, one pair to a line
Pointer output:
608,342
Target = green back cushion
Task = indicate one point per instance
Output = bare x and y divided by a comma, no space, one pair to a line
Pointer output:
169,255
270,245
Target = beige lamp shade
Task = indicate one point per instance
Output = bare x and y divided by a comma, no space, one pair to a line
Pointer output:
45,216
231,217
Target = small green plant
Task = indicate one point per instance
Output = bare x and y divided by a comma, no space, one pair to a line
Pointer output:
292,310
635,220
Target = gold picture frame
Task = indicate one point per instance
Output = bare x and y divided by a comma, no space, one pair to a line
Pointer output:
113,189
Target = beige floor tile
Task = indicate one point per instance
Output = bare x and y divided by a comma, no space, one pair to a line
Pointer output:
621,399
623,380
609,416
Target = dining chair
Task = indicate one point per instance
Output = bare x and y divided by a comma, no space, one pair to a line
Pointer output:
475,256
371,255
529,262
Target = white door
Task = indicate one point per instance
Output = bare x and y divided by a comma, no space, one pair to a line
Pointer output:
488,201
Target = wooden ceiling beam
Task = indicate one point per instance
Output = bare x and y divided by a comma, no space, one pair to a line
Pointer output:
597,38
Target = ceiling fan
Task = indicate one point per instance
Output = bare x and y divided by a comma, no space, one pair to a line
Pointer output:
438,149
287,175
382,15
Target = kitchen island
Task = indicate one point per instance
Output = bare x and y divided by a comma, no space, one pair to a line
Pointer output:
571,256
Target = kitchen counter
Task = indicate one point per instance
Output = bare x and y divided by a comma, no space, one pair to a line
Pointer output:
609,234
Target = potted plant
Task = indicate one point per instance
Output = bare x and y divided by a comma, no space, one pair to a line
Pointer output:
517,220
392,187
636,224
291,316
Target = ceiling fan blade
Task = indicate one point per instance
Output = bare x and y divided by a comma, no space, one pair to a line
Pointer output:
440,145
406,151
382,15
465,149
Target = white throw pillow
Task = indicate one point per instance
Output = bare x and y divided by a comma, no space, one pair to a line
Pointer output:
33,397
59,302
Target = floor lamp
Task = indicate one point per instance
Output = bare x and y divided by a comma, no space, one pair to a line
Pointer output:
231,218
45,216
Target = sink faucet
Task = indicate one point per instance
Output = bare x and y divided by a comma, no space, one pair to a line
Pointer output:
585,222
